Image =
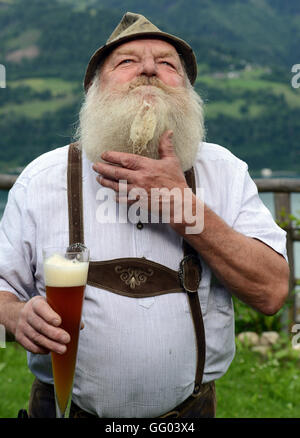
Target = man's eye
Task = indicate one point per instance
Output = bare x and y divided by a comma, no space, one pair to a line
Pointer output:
126,61
168,64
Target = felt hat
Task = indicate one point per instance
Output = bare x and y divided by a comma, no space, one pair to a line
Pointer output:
136,26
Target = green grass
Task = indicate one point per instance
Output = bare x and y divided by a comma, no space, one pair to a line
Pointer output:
55,85
256,387
247,80
15,380
253,387
232,109
35,108
64,93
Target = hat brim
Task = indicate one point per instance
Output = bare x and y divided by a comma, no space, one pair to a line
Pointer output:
183,49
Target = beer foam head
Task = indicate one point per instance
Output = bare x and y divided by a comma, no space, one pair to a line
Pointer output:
62,272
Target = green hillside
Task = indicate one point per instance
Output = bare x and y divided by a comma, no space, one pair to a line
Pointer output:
245,52
259,31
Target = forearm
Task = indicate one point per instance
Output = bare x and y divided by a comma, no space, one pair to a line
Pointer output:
10,307
251,270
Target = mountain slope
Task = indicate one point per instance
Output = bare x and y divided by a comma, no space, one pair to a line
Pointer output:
261,31
245,50
256,31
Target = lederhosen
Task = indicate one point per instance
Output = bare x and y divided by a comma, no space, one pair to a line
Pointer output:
141,278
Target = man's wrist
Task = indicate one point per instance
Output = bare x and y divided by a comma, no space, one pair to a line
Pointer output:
188,216
10,307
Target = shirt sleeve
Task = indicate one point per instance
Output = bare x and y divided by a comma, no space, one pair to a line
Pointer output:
16,237
255,220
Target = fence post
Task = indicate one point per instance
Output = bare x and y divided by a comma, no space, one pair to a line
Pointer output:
282,204
7,181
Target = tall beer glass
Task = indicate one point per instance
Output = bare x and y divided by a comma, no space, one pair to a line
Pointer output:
66,271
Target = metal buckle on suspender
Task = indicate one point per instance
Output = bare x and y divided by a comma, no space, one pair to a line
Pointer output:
182,273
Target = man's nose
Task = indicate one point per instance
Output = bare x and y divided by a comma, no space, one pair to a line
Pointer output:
148,67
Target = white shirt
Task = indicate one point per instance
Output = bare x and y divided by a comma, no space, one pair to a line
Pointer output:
136,357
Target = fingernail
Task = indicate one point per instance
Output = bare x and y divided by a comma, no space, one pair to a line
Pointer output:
66,339
62,349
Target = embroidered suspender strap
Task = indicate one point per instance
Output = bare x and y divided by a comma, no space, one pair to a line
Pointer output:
133,277
139,277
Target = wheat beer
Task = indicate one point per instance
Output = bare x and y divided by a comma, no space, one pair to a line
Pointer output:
65,282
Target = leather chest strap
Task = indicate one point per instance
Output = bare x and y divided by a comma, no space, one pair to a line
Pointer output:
75,203
193,271
139,277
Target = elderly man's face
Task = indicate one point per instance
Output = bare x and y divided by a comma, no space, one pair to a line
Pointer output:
140,92
148,57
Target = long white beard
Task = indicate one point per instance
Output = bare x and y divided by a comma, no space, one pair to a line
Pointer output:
143,127
133,117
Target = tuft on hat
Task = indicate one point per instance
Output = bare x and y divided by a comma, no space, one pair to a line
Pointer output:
136,26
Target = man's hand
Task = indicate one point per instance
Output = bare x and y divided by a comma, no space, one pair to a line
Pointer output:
37,328
141,172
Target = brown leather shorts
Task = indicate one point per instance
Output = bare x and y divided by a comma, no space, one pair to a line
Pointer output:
42,403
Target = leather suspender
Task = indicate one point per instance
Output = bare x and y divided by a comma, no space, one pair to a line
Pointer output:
139,277
189,252
75,201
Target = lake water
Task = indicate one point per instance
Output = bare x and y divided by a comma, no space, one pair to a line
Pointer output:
267,199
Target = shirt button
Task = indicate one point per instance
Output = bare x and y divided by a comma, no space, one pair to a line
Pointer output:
139,226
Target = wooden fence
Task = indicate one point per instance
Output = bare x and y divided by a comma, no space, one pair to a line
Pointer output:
282,188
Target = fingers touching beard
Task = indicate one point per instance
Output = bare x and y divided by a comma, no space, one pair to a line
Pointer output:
122,119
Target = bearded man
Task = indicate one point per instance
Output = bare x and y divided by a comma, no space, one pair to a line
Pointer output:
158,315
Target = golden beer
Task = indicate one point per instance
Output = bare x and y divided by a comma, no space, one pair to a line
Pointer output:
65,281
